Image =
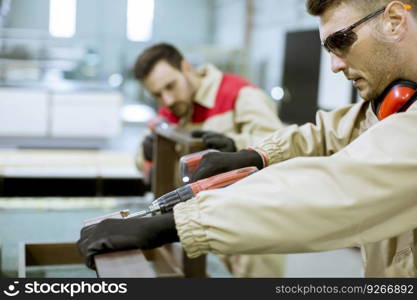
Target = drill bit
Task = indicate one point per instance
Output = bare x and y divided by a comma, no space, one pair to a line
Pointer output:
166,203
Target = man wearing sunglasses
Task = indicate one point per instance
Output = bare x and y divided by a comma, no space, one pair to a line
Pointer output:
349,180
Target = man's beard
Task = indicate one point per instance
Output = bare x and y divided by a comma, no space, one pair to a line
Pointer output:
180,109
384,66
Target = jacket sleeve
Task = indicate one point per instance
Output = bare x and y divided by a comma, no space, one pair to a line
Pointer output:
364,193
332,131
255,117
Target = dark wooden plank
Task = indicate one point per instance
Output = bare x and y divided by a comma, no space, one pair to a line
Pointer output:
43,254
192,268
52,254
172,143
165,160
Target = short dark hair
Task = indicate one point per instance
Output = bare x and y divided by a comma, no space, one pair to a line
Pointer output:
318,7
152,55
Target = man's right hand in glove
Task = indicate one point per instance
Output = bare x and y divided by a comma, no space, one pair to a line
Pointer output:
214,163
147,146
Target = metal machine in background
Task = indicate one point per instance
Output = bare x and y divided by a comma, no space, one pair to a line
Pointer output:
52,95
68,114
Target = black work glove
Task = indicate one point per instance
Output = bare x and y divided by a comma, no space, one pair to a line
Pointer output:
214,163
215,140
121,234
147,146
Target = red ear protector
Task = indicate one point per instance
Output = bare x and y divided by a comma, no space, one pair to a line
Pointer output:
397,97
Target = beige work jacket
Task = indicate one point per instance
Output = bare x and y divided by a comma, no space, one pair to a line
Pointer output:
356,187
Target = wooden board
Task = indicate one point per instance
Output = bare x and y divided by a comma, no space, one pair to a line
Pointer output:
47,254
122,264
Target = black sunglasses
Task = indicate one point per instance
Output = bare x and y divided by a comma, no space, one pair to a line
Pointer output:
340,41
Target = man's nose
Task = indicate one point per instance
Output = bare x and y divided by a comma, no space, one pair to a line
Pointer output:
338,64
168,99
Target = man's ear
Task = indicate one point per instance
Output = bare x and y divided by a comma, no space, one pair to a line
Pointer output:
395,19
185,66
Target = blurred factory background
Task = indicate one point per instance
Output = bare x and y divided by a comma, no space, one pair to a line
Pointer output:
66,83
66,66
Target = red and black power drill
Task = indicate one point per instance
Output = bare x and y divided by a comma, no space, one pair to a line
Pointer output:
166,203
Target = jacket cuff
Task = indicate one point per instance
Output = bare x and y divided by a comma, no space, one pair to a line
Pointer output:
190,230
271,153
265,158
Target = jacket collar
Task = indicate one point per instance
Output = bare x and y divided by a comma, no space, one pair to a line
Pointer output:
211,79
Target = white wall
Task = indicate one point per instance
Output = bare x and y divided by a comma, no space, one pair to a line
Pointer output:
229,24
271,19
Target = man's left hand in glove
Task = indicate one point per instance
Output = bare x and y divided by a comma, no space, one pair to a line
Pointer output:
122,234
215,140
